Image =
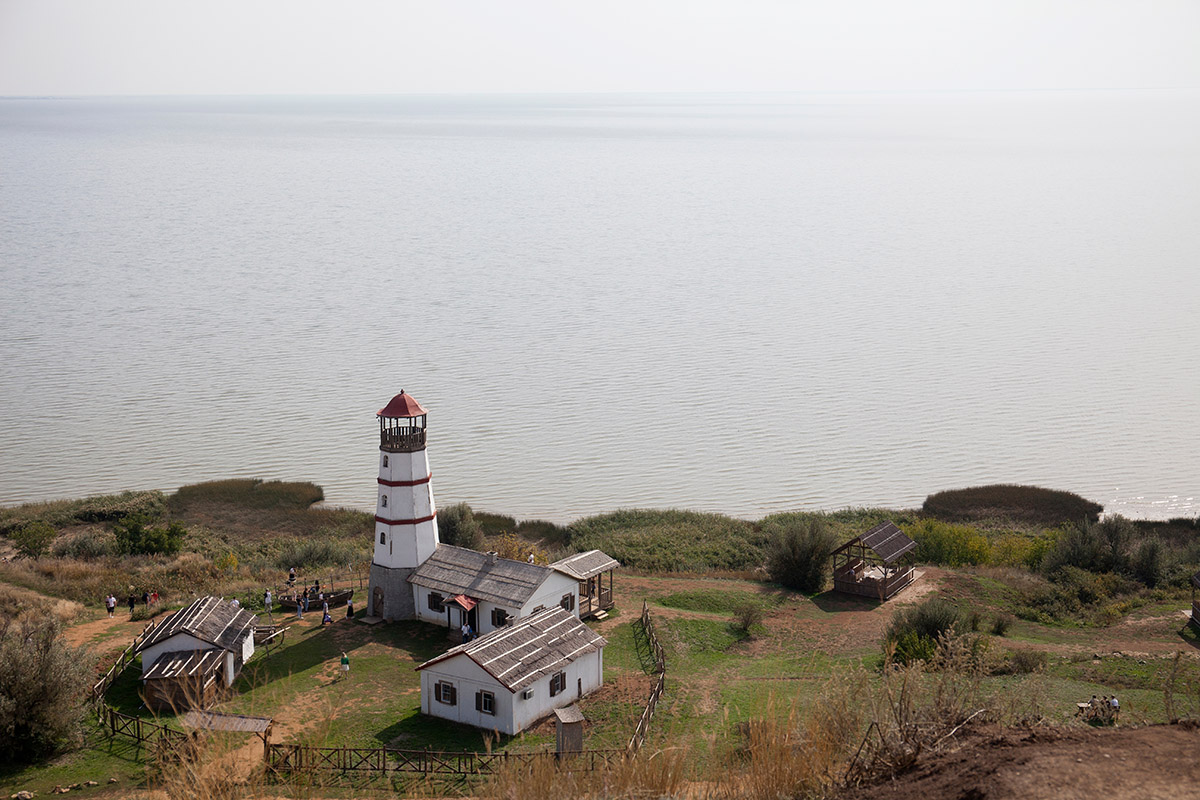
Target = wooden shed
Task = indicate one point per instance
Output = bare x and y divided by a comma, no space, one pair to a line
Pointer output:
183,679
876,564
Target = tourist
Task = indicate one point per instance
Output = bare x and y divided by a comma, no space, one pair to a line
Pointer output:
132,602
531,558
234,602
292,576
326,619
146,598
345,664
306,599
325,606
154,597
349,609
267,600
1115,705
110,603
466,632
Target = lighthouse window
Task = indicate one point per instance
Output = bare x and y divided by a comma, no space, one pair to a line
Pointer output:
382,537
385,462
385,501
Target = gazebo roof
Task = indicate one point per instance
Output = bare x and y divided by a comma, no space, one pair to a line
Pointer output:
885,540
402,405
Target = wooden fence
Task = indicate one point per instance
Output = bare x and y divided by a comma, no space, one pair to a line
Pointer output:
656,691
127,656
382,760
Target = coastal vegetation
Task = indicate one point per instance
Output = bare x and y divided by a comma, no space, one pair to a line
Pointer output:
1019,617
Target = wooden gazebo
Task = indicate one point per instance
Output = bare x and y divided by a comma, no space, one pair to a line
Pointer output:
876,564
1195,618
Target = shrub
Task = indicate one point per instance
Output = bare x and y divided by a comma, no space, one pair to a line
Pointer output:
33,538
1077,546
949,545
457,526
1002,623
509,545
1020,550
914,631
86,546
42,681
135,538
798,552
1147,563
1005,501
1023,662
747,615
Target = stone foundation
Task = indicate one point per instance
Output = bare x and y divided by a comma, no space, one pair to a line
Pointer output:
398,600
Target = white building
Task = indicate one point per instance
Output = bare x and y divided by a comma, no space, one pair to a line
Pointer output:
193,648
457,585
405,517
510,678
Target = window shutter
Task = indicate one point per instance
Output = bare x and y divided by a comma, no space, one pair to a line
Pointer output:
479,701
453,696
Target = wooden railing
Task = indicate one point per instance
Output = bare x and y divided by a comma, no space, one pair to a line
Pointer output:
402,440
382,760
656,691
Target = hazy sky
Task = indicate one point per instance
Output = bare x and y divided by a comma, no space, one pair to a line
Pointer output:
380,46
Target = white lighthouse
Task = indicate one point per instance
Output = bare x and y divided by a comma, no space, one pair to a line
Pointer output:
406,531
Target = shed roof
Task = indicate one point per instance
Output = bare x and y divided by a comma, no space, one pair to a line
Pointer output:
531,648
569,714
886,540
402,405
210,619
582,566
184,663
216,721
457,570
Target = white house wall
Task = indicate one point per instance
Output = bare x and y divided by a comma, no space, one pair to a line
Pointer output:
551,592
514,713
180,641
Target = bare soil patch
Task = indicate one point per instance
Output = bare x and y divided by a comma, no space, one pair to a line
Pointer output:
1152,763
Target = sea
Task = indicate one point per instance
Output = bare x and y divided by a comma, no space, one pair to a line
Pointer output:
738,303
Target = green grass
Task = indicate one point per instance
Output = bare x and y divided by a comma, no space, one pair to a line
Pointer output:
718,601
671,540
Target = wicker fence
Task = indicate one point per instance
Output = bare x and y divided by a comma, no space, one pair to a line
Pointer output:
384,760
660,683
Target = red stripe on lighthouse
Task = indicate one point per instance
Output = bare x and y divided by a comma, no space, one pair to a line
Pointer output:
386,521
426,479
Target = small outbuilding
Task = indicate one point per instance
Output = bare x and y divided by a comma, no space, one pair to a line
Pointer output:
589,569
876,564
191,653
510,678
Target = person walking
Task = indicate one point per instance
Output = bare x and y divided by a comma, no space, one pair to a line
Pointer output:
132,602
325,606
299,607
1116,708
267,600
349,609
345,665
306,599
110,603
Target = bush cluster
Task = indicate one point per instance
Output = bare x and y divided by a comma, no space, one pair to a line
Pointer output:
914,631
248,493
307,553
798,551
671,540
61,514
458,526
135,537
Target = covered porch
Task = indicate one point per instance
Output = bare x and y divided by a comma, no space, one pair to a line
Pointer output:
590,569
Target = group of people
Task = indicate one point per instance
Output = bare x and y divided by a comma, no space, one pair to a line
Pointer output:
149,598
1104,710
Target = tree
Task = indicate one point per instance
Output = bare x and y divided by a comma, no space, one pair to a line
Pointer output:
457,526
33,539
134,537
42,681
798,551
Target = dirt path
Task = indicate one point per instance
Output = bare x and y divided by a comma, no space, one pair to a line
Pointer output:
1152,763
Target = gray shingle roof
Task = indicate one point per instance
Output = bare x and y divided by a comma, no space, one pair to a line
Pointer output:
531,648
178,663
455,570
582,566
209,619
888,541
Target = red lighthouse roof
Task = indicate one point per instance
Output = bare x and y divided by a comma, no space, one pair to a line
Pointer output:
402,405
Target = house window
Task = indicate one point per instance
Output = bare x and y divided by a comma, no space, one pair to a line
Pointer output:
539,608
436,602
385,463
567,602
384,500
444,692
485,703
558,682
499,617
382,537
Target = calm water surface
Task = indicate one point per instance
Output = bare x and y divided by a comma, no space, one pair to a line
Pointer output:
733,303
